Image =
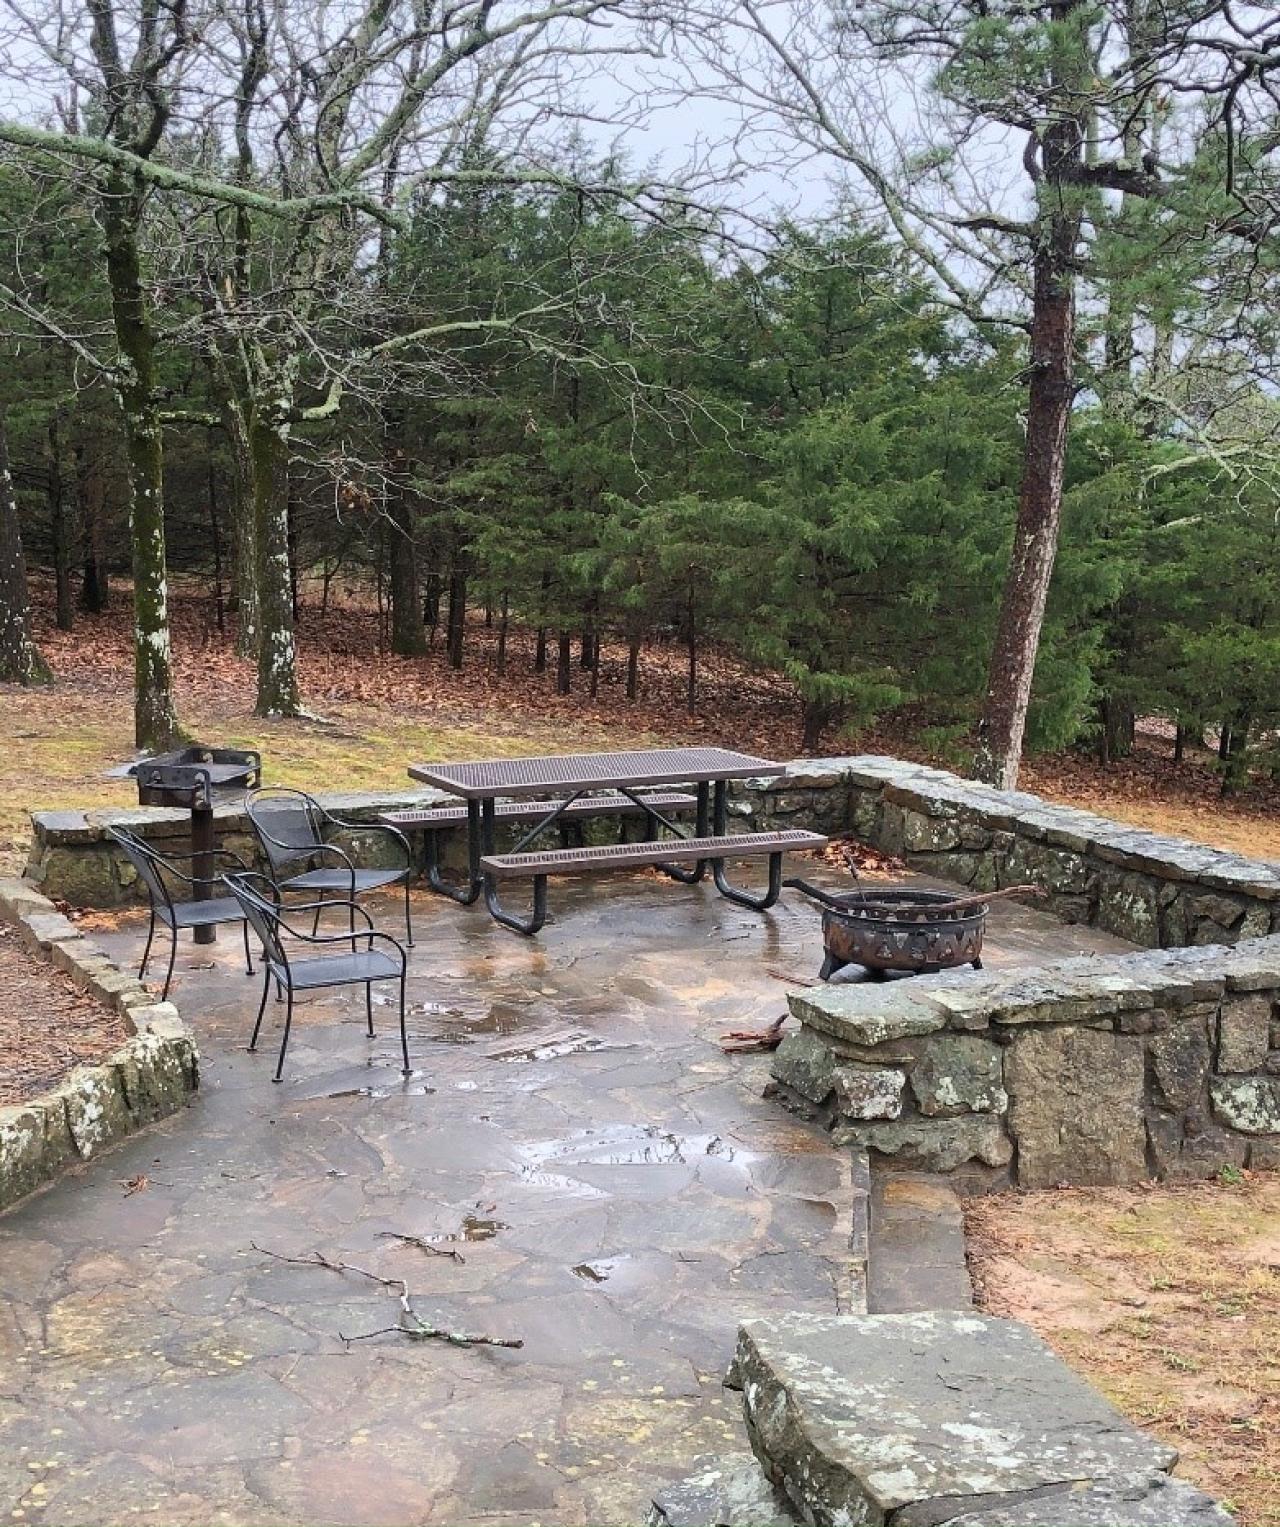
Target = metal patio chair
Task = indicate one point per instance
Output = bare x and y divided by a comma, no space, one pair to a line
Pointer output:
156,870
259,897
293,830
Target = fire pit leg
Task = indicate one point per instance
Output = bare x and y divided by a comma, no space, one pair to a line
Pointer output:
202,847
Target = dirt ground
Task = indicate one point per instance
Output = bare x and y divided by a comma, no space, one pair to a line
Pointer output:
46,1026
375,713
1167,1297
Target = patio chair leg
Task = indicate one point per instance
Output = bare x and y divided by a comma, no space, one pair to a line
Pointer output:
315,921
368,1005
408,920
146,953
173,955
262,1007
248,957
284,1043
404,1037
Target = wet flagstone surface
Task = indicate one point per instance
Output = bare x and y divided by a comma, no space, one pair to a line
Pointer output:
617,1191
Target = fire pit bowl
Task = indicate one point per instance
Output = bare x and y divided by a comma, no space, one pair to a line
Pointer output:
897,929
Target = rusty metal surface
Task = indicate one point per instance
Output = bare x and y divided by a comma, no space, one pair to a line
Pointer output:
900,930
610,856
588,771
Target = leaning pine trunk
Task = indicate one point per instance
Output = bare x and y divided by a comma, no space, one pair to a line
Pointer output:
20,660
277,661
155,716
1035,540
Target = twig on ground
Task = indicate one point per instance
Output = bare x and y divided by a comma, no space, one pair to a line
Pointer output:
429,1247
410,1324
791,980
744,1041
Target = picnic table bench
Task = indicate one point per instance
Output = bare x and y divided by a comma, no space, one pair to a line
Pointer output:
432,820
683,856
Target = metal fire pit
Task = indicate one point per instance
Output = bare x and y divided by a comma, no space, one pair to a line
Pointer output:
197,777
896,929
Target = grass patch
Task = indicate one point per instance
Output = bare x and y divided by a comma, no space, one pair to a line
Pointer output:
1167,1297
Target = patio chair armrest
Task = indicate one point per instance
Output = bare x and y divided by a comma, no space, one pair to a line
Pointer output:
332,848
215,853
212,853
385,827
368,934
337,901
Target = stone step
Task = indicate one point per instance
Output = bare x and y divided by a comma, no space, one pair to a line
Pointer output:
939,1416
915,1258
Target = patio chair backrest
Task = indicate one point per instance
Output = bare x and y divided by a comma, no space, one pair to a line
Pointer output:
286,823
147,862
263,916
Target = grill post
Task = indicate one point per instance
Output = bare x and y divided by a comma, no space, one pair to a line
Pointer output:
202,847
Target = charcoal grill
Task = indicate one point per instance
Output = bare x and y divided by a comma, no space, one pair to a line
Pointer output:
197,777
898,928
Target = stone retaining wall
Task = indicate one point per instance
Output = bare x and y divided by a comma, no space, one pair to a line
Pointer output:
150,1076
1093,1070
1156,891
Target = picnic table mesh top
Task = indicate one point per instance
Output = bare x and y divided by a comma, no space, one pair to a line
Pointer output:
585,771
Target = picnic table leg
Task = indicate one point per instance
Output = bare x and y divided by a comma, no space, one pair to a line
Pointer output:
526,925
465,894
720,829
677,871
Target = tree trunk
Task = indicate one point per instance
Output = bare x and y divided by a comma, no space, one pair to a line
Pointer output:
277,658
691,639
1179,742
244,539
633,668
95,585
564,663
215,537
1235,771
431,606
408,634
815,718
57,499
504,620
155,717
457,612
1035,541
20,660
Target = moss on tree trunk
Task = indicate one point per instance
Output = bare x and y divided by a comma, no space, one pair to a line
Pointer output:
277,663
155,716
20,660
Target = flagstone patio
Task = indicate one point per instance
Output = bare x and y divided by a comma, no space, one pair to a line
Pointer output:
618,1194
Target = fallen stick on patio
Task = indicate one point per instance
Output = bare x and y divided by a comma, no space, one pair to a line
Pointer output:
423,1245
410,1324
745,1041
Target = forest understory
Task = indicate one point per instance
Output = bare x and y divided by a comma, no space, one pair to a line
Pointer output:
373,713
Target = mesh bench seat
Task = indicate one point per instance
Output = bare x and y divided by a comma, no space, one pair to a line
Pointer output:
619,856
665,853
531,811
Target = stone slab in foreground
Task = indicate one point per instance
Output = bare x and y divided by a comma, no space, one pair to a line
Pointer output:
921,1418
728,1491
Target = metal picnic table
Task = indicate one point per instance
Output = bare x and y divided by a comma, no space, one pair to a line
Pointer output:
571,777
